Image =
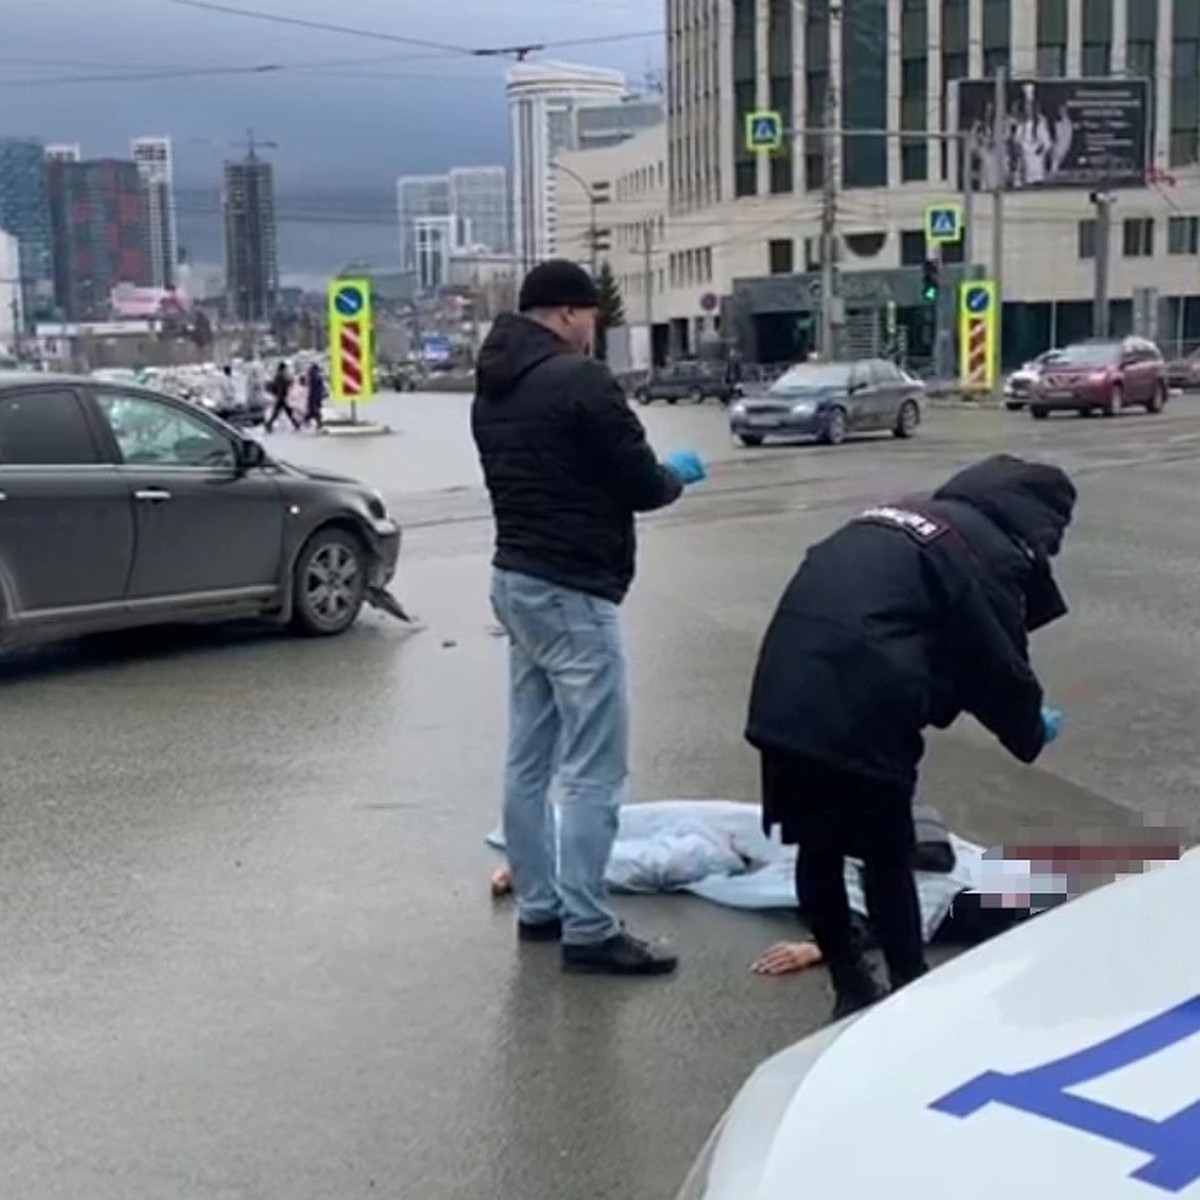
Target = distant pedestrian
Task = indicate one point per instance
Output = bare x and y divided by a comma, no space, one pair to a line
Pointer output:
567,466
281,389
226,391
315,382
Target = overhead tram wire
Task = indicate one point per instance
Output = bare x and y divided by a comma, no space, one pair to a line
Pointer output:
516,50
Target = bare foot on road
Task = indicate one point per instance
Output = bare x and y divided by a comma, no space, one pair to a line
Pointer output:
786,957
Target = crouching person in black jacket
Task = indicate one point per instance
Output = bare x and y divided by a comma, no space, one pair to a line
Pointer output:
906,617
567,466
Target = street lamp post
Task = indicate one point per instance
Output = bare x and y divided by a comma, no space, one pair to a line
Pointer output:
593,199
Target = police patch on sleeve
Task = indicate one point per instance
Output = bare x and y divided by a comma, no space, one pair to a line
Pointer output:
919,526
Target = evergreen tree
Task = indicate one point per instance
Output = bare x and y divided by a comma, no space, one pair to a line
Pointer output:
611,314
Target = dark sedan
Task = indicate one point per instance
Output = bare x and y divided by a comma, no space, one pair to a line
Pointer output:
688,380
830,402
121,507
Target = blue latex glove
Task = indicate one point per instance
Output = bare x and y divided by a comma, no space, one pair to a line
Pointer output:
687,464
1051,723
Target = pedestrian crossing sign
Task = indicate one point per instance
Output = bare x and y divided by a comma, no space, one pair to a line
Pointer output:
764,131
943,223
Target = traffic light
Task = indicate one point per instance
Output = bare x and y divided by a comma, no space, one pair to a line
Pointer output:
930,283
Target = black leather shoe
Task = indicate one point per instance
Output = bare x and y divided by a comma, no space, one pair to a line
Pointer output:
619,955
541,931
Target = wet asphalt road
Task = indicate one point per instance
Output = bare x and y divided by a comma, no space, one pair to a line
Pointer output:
248,945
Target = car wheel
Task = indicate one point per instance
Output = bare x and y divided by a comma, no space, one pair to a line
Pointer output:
907,420
1115,402
330,583
696,396
1038,413
672,399
835,428
1013,405
1159,400
750,439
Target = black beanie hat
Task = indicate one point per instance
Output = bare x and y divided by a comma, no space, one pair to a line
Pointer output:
558,284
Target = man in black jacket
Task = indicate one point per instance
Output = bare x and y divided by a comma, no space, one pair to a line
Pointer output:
567,465
906,617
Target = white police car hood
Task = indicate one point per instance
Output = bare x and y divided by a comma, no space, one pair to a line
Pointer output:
1061,1059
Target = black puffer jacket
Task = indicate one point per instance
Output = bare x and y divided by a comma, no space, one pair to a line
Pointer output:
912,614
566,461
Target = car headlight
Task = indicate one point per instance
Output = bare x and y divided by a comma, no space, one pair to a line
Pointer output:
805,408
377,506
738,410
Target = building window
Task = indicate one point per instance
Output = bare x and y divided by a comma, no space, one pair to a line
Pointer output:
864,92
914,160
1139,59
1138,237
779,61
816,87
745,72
1051,62
1183,235
781,256
1097,38
1097,59
913,249
1185,88
1086,238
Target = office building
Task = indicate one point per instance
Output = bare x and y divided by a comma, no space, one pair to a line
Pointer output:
155,162
24,211
479,201
417,197
435,242
544,101
99,232
602,126
918,70
251,247
64,152
11,301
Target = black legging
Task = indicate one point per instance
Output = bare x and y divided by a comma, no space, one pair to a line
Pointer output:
834,815
281,408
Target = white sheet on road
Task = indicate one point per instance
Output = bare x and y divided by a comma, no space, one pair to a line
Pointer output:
716,849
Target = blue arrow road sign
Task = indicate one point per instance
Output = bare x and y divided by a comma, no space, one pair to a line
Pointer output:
943,223
978,299
349,302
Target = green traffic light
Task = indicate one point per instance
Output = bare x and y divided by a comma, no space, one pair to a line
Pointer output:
930,294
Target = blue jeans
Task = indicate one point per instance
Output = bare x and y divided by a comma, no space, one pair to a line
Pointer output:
568,712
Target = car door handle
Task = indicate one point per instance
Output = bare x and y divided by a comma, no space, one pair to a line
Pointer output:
152,495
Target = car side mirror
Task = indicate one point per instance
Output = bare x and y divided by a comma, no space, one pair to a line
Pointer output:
250,455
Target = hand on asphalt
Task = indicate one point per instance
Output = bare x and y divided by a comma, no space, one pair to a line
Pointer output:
501,882
784,958
688,465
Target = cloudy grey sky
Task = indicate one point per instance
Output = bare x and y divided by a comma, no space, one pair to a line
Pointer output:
349,113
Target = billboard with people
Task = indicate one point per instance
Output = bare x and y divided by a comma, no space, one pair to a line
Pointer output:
1057,133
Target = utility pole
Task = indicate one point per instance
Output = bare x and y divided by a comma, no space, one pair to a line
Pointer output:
1000,169
829,203
1103,199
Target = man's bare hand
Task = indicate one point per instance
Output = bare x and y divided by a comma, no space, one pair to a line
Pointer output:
784,958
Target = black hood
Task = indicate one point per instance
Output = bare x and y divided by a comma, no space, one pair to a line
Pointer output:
515,345
1032,504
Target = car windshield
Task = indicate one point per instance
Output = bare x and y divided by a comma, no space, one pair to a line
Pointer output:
812,377
1089,354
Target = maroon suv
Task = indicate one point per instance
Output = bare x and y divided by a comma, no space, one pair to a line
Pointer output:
1102,376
